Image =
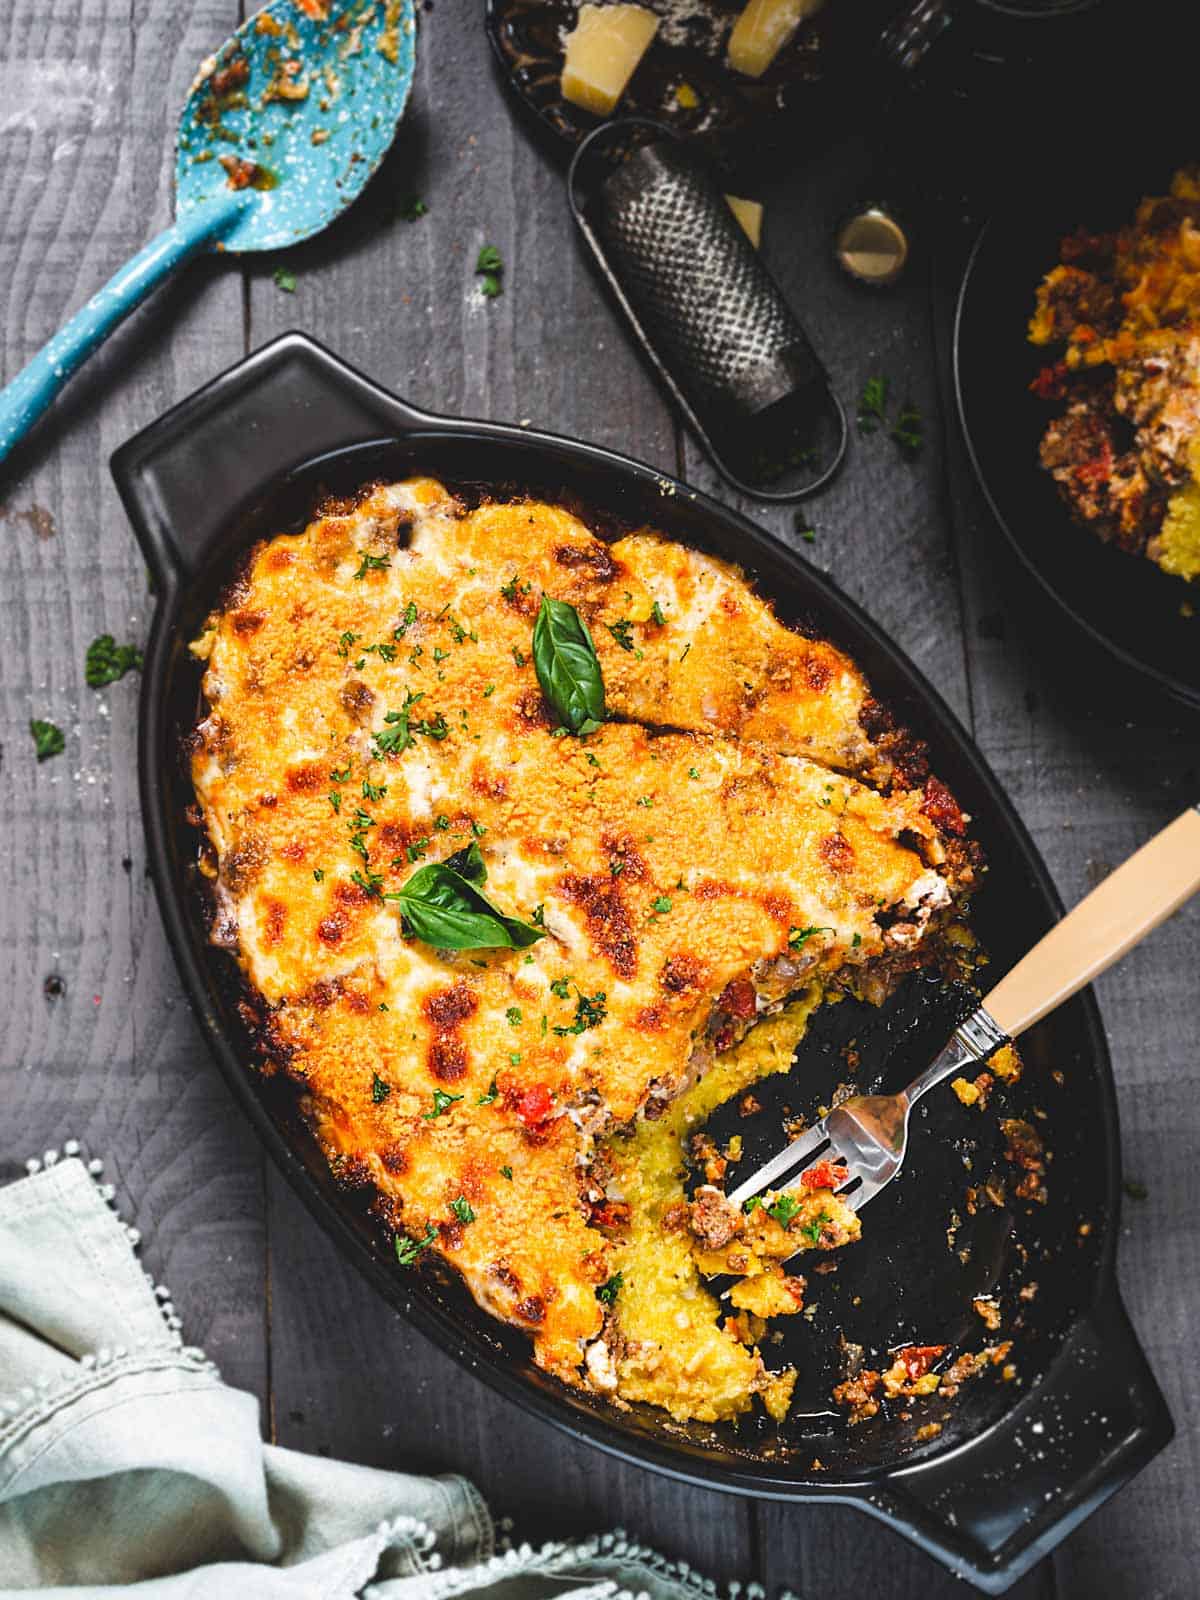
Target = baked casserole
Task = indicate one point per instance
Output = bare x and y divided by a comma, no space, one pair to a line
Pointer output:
1123,310
534,847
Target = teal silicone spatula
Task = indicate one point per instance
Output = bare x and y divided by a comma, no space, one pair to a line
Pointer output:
280,131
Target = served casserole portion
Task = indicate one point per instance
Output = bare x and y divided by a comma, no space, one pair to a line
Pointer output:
533,847
1123,310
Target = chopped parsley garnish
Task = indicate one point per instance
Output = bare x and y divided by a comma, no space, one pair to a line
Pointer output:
492,1094
907,432
808,535
47,739
538,917
107,661
490,267
344,643
285,280
518,657
656,611
318,874
406,621
412,207
561,987
590,1012
479,829
372,563
441,1104
856,941
752,1204
417,849
506,1172
783,1209
462,1209
622,632
812,1230
607,1292
692,773
662,905
798,937
514,587
380,1089
513,1015
335,799
340,774
871,405
407,1250
646,800
489,691
373,791
371,882
441,823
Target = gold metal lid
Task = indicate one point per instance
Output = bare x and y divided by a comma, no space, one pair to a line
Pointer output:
872,247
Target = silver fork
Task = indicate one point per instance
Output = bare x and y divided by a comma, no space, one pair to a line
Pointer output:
870,1132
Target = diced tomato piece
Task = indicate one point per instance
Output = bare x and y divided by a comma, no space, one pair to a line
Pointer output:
739,999
940,806
823,1175
918,1358
535,1106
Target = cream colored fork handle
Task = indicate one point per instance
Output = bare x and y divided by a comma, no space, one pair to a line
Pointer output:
1129,904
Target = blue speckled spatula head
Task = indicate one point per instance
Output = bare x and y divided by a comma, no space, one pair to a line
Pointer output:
297,109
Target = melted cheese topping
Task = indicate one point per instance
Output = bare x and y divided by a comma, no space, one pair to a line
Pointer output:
694,842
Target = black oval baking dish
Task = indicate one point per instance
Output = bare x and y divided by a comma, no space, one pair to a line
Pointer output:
1019,1462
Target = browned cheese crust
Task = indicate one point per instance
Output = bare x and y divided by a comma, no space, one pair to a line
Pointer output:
673,857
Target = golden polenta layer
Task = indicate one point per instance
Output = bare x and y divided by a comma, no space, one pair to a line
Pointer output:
713,847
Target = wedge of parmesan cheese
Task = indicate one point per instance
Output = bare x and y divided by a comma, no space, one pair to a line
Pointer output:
602,54
763,29
750,214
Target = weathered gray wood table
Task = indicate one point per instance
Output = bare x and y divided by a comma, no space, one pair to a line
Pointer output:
110,1054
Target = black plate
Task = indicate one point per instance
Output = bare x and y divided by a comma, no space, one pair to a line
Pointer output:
1125,603
245,457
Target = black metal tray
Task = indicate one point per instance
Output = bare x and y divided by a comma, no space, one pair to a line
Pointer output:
1020,1463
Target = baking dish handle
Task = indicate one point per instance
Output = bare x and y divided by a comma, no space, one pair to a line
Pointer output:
1094,1421
287,403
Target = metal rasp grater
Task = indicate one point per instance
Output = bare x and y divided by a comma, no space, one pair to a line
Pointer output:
706,310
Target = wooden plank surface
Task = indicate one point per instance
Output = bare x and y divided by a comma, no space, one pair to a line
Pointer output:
86,114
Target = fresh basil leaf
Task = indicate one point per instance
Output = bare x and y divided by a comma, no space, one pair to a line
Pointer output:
567,666
444,908
469,863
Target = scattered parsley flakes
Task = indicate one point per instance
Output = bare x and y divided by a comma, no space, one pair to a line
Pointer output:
412,207
490,266
406,621
607,1292
380,1089
798,937
513,1016
407,1250
506,1172
372,563
783,1209
622,632
692,773
47,739
106,661
908,431
462,1209
441,1104
871,405
372,791
662,905
318,874
590,1012
656,611
285,280
492,1095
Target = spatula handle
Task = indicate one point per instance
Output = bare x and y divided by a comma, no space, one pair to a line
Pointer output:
1129,904
30,393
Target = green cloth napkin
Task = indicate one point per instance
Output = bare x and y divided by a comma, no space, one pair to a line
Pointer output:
128,1468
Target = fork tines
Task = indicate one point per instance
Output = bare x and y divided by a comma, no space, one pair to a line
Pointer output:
787,1165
